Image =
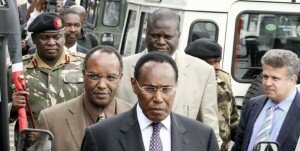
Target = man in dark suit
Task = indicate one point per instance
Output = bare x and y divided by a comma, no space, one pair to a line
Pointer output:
274,116
151,124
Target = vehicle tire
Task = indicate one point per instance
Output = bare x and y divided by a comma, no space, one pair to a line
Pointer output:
254,90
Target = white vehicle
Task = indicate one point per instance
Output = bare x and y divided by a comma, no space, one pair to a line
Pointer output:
246,29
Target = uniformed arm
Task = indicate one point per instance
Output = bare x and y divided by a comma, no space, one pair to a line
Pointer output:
240,131
42,121
88,143
234,119
208,112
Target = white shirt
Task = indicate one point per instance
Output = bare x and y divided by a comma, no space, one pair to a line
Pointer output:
73,48
146,130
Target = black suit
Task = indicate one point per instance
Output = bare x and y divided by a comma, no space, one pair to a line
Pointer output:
122,133
290,130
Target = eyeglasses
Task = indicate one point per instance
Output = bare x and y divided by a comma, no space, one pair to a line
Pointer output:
97,76
151,90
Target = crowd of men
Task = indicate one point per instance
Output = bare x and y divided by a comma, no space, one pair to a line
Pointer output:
161,99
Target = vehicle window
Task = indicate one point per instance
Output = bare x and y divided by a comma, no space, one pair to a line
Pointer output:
111,12
141,45
203,29
92,11
130,34
257,33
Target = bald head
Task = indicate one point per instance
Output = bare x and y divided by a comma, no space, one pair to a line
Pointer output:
80,10
164,14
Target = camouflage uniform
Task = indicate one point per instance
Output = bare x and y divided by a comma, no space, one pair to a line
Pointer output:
228,115
48,86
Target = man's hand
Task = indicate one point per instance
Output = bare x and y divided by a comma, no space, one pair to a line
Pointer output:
18,99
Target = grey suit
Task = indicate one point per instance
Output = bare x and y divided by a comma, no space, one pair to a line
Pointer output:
122,133
67,122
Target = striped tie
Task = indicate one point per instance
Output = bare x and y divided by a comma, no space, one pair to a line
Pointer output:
265,129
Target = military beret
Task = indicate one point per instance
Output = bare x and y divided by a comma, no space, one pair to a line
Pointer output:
204,48
47,22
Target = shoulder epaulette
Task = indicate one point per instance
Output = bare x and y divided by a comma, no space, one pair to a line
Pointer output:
26,57
77,54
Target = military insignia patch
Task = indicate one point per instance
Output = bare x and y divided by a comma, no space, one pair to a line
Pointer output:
57,23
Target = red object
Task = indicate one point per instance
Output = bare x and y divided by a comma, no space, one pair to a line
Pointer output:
17,73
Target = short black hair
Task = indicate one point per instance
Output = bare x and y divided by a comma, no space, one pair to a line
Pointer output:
156,57
103,48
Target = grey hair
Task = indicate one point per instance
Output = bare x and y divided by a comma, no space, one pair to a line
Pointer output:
278,58
164,14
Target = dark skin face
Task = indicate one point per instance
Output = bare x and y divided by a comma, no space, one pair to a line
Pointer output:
215,62
72,29
99,93
157,106
162,36
49,46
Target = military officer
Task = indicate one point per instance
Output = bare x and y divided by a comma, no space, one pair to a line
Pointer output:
52,74
211,52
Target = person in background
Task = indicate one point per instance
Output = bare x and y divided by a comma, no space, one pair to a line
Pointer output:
86,39
72,31
102,71
151,125
196,95
211,52
274,116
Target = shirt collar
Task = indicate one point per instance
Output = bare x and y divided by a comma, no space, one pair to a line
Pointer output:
72,49
144,122
36,61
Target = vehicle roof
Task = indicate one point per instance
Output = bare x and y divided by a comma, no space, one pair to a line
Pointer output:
199,5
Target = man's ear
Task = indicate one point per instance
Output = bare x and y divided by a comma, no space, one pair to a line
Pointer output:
133,84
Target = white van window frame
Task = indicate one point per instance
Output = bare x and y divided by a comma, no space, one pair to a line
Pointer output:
252,40
203,21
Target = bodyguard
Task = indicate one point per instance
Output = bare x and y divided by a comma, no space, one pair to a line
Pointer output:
52,74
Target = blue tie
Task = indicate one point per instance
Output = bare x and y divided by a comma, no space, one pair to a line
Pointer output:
265,130
155,141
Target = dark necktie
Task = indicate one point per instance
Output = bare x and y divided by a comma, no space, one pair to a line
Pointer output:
155,141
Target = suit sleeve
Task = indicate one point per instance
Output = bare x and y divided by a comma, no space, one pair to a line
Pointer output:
240,131
42,121
208,112
88,143
213,144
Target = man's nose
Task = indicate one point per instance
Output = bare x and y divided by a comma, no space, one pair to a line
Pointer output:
102,83
161,40
158,96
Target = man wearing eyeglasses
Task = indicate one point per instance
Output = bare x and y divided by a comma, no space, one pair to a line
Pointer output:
151,125
102,71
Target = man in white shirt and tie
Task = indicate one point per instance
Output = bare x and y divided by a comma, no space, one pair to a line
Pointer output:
151,125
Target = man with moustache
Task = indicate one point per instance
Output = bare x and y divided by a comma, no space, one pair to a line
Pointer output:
196,95
151,125
52,74
72,31
102,71
274,116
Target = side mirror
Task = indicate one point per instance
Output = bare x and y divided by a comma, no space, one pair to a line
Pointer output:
107,39
35,140
266,146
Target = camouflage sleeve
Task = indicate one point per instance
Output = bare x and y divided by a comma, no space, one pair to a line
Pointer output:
234,119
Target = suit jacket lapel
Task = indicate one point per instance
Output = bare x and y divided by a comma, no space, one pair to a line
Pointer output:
131,133
256,109
76,121
179,141
290,121
183,78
